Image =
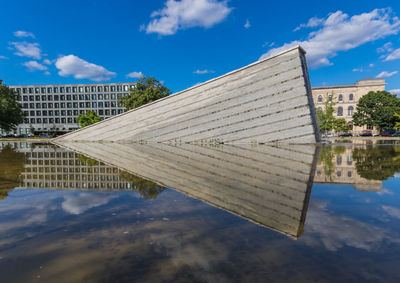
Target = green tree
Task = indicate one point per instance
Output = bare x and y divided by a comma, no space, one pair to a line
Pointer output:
377,109
147,189
10,109
11,166
147,89
341,125
89,118
325,118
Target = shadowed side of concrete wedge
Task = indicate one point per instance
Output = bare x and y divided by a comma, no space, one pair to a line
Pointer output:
265,102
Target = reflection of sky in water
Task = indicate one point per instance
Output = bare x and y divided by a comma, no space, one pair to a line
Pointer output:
72,236
118,236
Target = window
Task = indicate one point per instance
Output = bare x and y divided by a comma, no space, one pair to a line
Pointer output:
62,89
350,111
349,160
68,97
340,111
113,88
339,160
56,97
99,89
44,113
55,90
100,96
49,98
106,88
87,89
50,105
93,96
87,96
112,95
93,88
30,90
329,96
43,90
38,105
44,105
25,98
340,98
74,89
339,173
49,90
62,97
351,97
94,104
37,98
81,89
38,113
349,173
68,89
24,90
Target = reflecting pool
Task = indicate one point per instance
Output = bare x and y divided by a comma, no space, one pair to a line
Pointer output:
107,212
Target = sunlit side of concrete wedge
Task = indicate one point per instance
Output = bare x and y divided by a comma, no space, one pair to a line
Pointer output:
269,101
267,185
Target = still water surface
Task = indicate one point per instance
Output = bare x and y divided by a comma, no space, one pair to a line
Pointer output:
186,213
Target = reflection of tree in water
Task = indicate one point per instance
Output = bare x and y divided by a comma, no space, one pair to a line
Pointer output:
11,166
377,162
88,161
147,189
326,157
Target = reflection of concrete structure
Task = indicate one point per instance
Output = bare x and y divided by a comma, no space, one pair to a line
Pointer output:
346,97
344,172
50,167
268,101
264,184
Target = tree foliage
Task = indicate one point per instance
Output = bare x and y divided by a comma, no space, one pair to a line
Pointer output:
326,120
147,189
377,162
10,109
147,89
377,109
12,165
90,117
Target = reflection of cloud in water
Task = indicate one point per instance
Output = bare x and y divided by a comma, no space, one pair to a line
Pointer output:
392,211
77,204
323,228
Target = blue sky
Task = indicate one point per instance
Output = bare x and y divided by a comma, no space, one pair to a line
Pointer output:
189,41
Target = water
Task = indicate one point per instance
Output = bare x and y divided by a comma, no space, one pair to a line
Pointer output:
191,213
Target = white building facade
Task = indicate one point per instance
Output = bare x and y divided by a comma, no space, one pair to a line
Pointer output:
55,107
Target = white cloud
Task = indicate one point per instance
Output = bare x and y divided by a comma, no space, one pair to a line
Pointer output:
186,14
247,24
392,211
395,91
21,33
47,62
358,70
135,75
387,47
34,65
394,55
313,22
339,32
26,49
77,204
81,69
3,57
202,72
385,74
371,65
47,73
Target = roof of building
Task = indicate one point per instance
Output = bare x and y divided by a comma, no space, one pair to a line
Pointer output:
363,82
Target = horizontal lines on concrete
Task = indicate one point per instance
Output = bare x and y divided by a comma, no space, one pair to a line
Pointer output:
265,184
255,104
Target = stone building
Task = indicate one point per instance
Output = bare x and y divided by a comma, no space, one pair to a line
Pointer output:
346,98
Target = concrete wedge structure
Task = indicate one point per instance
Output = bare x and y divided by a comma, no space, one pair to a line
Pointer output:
268,101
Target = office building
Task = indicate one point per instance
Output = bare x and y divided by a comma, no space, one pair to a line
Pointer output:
55,107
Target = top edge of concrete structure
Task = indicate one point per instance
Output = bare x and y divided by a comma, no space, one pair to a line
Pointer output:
298,47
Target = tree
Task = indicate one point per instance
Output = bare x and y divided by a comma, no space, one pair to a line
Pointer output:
147,89
341,125
12,165
10,109
147,189
326,120
377,109
89,118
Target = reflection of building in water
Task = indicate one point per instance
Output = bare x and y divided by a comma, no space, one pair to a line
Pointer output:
51,167
336,165
264,184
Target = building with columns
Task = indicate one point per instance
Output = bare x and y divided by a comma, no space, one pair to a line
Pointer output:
346,98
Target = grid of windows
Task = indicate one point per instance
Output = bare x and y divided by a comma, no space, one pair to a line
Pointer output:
56,107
